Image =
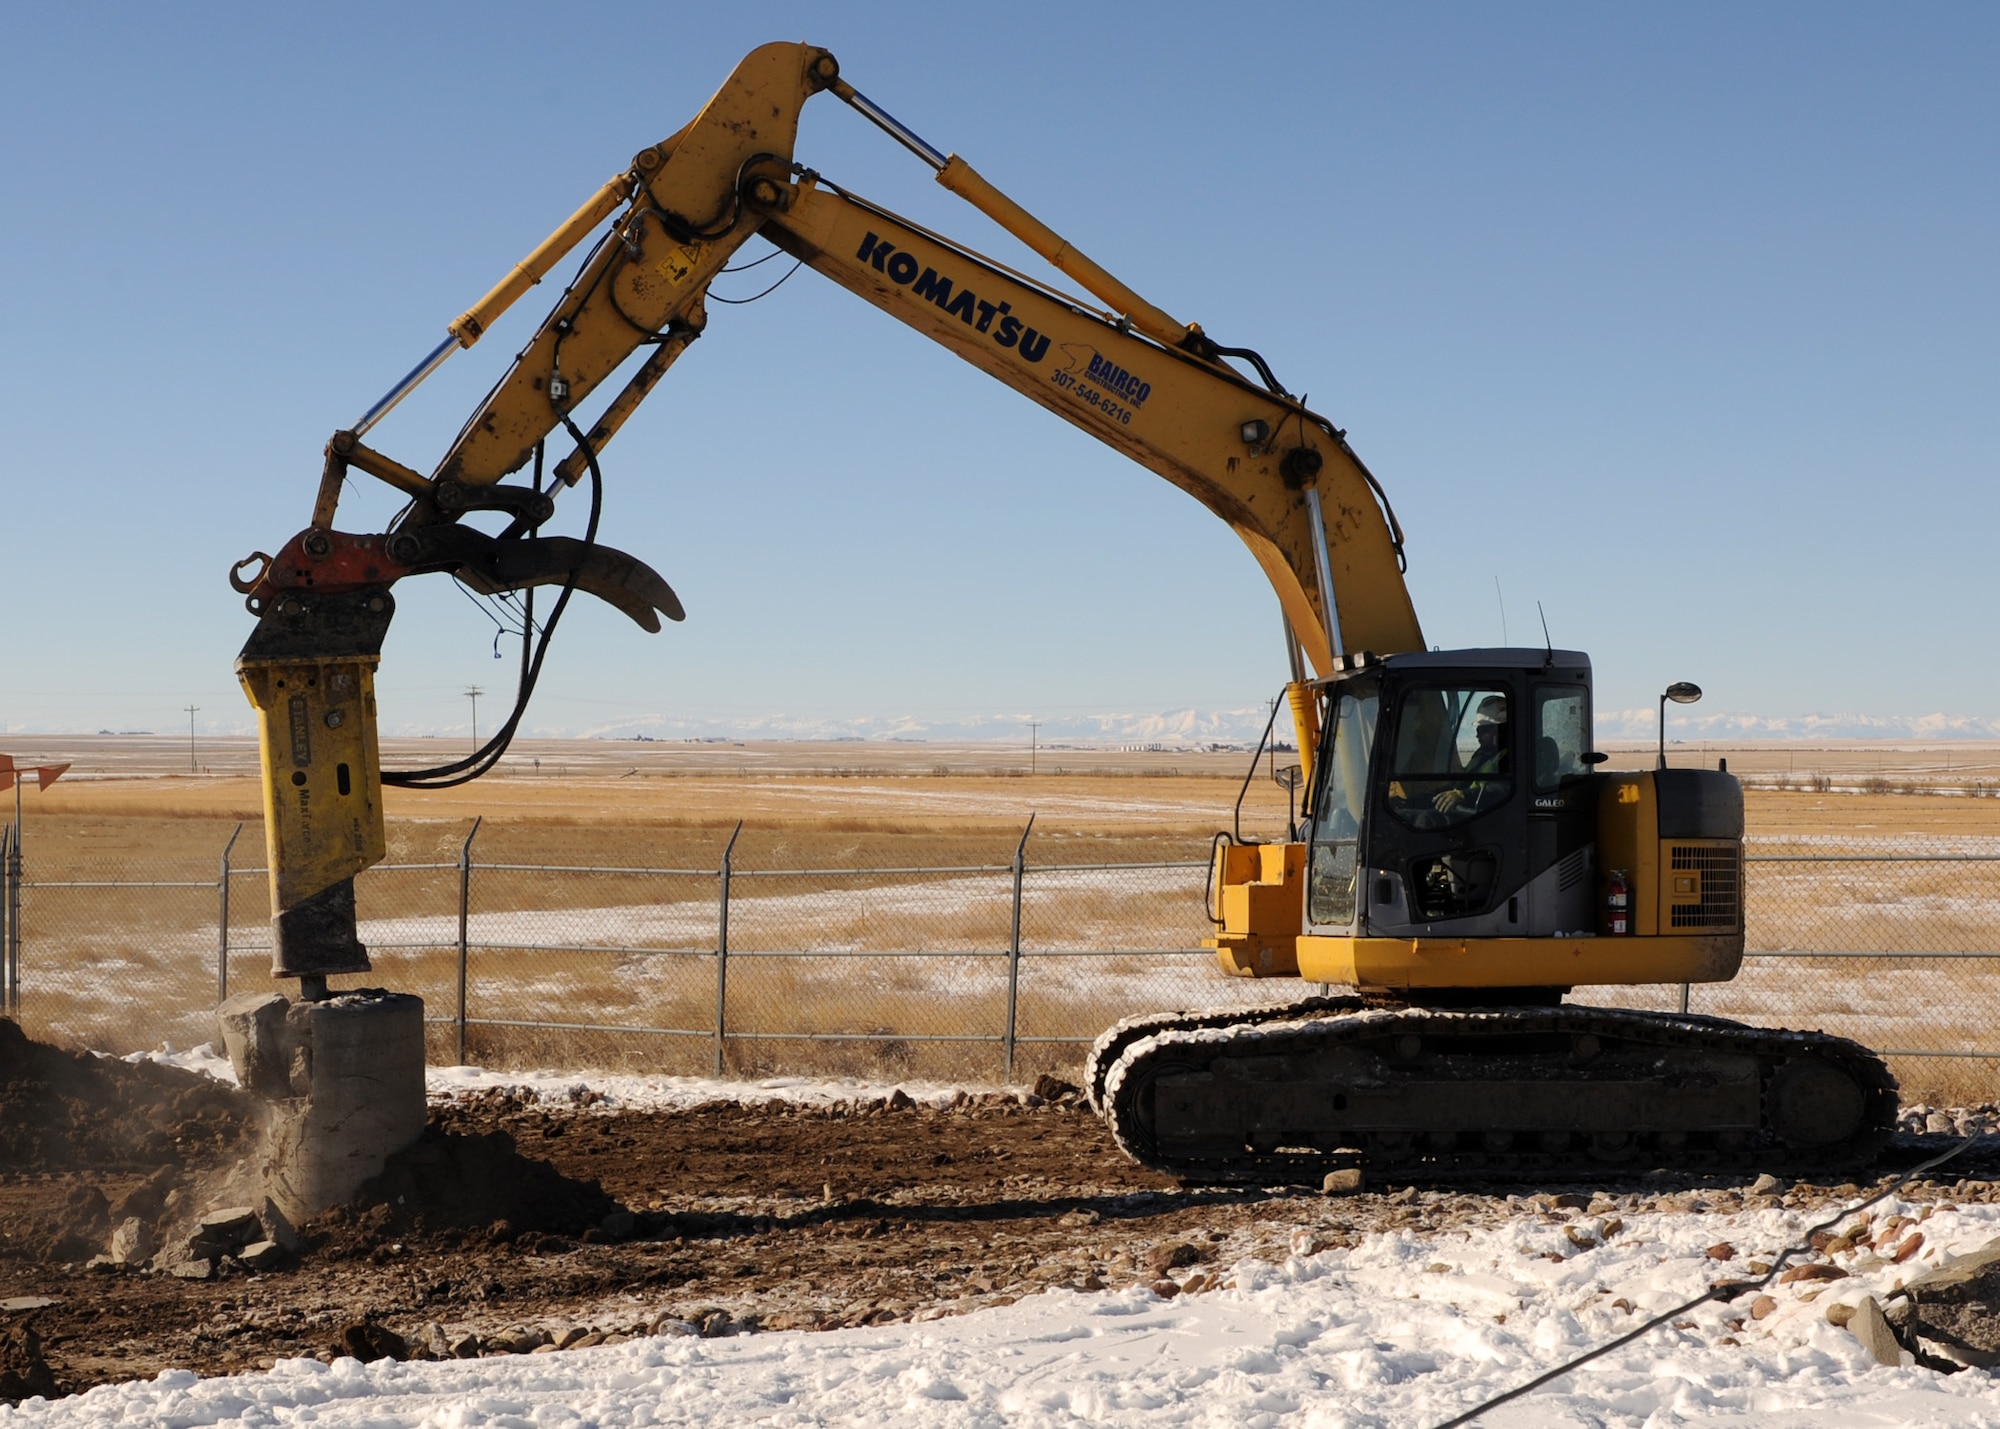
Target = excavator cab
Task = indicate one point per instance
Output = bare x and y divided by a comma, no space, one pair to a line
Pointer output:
1460,844
1455,798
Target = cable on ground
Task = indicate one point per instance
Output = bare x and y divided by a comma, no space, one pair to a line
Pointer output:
1721,1290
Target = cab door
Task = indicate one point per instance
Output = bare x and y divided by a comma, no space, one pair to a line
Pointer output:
1562,812
1339,809
1448,836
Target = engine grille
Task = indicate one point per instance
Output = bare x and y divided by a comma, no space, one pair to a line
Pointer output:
1718,873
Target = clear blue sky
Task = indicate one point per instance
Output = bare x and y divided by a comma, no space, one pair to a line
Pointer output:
1681,321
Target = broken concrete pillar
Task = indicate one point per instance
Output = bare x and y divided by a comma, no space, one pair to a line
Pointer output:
343,1079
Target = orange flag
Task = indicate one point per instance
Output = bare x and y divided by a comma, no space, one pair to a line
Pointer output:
47,774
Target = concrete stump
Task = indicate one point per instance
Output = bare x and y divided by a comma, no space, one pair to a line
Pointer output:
343,1081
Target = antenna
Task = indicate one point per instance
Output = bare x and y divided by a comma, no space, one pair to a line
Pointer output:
1503,609
1548,645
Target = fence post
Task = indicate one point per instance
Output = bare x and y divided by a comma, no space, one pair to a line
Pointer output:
464,919
1014,947
222,922
722,953
1684,997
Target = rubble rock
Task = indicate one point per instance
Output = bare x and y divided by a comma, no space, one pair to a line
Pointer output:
262,1255
1868,1326
225,1232
131,1242
1163,1258
368,1343
24,1372
200,1269
1054,1089
1345,1182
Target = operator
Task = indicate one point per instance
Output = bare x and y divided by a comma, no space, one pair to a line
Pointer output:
1485,772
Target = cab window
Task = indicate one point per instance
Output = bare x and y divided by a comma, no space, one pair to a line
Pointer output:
1562,735
1344,756
1454,756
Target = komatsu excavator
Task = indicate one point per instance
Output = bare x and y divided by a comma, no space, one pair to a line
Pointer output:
1462,863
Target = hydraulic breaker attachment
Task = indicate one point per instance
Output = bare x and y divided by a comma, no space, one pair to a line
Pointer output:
309,670
323,608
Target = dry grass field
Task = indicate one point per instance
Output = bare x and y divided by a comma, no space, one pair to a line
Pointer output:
902,954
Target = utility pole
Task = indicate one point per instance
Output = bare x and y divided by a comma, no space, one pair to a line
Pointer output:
473,692
1034,728
193,768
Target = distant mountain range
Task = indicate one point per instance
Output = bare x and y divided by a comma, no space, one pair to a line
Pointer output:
1197,728
1690,724
1187,728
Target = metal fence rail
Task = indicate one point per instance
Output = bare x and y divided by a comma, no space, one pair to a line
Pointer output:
909,969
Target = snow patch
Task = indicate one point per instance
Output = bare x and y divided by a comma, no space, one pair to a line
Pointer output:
1401,1330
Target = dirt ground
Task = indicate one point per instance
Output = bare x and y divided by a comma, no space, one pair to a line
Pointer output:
518,1225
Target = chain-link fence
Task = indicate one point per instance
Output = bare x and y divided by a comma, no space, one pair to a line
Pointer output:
962,970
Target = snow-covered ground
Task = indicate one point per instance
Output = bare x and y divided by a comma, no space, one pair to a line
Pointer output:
1402,1330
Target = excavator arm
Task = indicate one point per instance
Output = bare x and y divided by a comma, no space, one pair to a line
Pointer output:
1164,393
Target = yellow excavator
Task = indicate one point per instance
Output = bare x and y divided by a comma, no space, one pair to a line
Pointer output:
1461,863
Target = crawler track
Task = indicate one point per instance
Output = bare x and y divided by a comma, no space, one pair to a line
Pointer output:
1120,1037
1437,1095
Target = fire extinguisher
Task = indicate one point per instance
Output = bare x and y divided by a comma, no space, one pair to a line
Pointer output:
1617,903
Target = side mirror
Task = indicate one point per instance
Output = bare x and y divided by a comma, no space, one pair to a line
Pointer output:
1596,756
